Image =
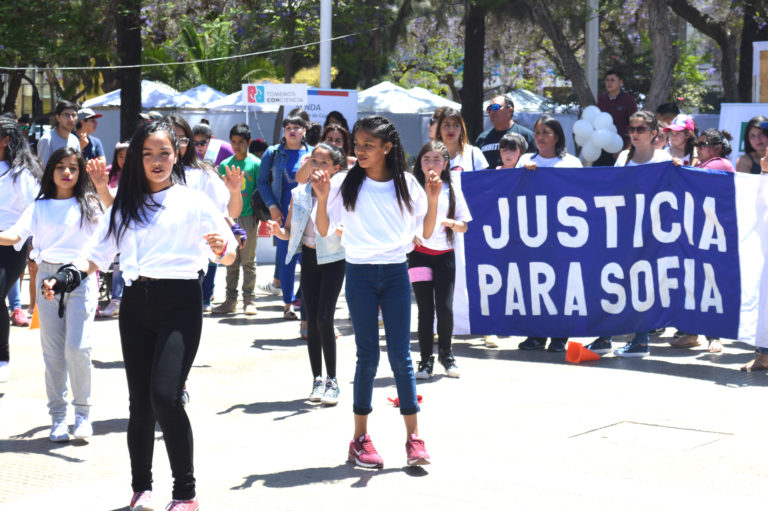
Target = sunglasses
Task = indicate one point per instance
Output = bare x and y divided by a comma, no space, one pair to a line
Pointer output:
704,144
183,141
638,129
494,107
201,143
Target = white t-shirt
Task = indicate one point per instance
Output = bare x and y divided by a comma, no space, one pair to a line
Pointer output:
470,159
15,195
170,244
376,231
659,155
438,240
55,225
566,161
210,184
687,159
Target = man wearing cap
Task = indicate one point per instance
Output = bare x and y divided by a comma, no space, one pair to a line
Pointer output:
86,124
500,111
61,134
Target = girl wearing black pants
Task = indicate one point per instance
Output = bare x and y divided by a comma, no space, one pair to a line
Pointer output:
161,311
322,274
19,185
432,265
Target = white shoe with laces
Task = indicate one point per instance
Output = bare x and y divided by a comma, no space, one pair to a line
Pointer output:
112,308
83,428
59,432
318,389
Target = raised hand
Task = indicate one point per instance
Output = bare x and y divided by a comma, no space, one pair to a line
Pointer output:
97,169
233,178
433,185
321,184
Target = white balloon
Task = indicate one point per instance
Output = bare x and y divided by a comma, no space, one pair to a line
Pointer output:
582,128
590,113
581,140
613,129
616,144
602,138
602,120
590,152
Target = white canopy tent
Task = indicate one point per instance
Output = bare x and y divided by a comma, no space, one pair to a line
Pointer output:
202,95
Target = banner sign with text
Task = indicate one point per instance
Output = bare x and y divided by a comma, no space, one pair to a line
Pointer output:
606,251
288,94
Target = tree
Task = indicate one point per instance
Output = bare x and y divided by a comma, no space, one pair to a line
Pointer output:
129,53
474,63
665,54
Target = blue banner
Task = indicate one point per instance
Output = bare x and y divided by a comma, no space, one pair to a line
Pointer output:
602,251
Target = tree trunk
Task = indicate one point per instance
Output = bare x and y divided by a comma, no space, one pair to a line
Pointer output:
750,32
665,54
129,53
14,84
721,34
573,68
474,66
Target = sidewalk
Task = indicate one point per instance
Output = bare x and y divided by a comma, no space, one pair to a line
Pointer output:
519,430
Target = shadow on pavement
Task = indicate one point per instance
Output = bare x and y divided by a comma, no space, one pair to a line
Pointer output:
117,364
293,408
293,478
269,344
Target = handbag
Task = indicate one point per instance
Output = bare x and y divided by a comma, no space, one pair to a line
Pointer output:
259,207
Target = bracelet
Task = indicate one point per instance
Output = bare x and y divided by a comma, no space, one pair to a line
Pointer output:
219,257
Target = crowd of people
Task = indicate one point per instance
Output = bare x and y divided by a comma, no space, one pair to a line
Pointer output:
345,206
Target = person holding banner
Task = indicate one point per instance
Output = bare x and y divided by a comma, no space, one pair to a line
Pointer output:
382,207
432,264
643,129
755,144
550,143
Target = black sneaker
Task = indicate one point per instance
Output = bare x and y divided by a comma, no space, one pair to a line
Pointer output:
532,343
557,345
657,332
449,363
426,368
601,346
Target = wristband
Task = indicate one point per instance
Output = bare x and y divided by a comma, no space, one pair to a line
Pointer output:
219,257
239,231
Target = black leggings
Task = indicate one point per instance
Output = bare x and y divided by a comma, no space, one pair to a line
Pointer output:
160,324
321,285
11,268
434,296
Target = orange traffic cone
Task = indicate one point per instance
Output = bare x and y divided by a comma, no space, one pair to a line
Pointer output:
35,320
577,353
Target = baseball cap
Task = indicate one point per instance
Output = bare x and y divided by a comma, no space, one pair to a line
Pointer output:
87,113
681,122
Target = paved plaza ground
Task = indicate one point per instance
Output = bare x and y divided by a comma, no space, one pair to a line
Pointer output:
681,429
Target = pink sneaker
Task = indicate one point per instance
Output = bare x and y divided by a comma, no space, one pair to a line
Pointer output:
183,505
363,454
142,501
417,453
18,317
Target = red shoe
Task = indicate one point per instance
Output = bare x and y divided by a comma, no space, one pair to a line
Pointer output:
18,318
363,454
417,453
141,501
183,505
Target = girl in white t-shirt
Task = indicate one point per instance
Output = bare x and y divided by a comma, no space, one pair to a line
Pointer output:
381,207
452,132
161,311
432,264
643,130
62,220
19,184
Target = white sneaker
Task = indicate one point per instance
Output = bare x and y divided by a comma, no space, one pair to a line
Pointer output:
112,308
59,432
318,389
83,428
270,288
491,341
5,371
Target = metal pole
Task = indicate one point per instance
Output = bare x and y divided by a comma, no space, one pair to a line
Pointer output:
325,43
592,34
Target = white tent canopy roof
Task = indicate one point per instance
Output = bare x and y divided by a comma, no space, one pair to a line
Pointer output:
202,95
153,95
388,97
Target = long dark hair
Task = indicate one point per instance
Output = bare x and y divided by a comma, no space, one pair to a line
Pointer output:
190,159
134,200
383,129
445,176
115,168
650,120
84,191
450,113
555,126
344,137
753,123
17,152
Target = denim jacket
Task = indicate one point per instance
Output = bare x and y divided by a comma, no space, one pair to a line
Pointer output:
328,248
274,160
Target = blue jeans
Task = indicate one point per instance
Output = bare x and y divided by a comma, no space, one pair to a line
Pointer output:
287,271
117,283
208,281
368,287
14,296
